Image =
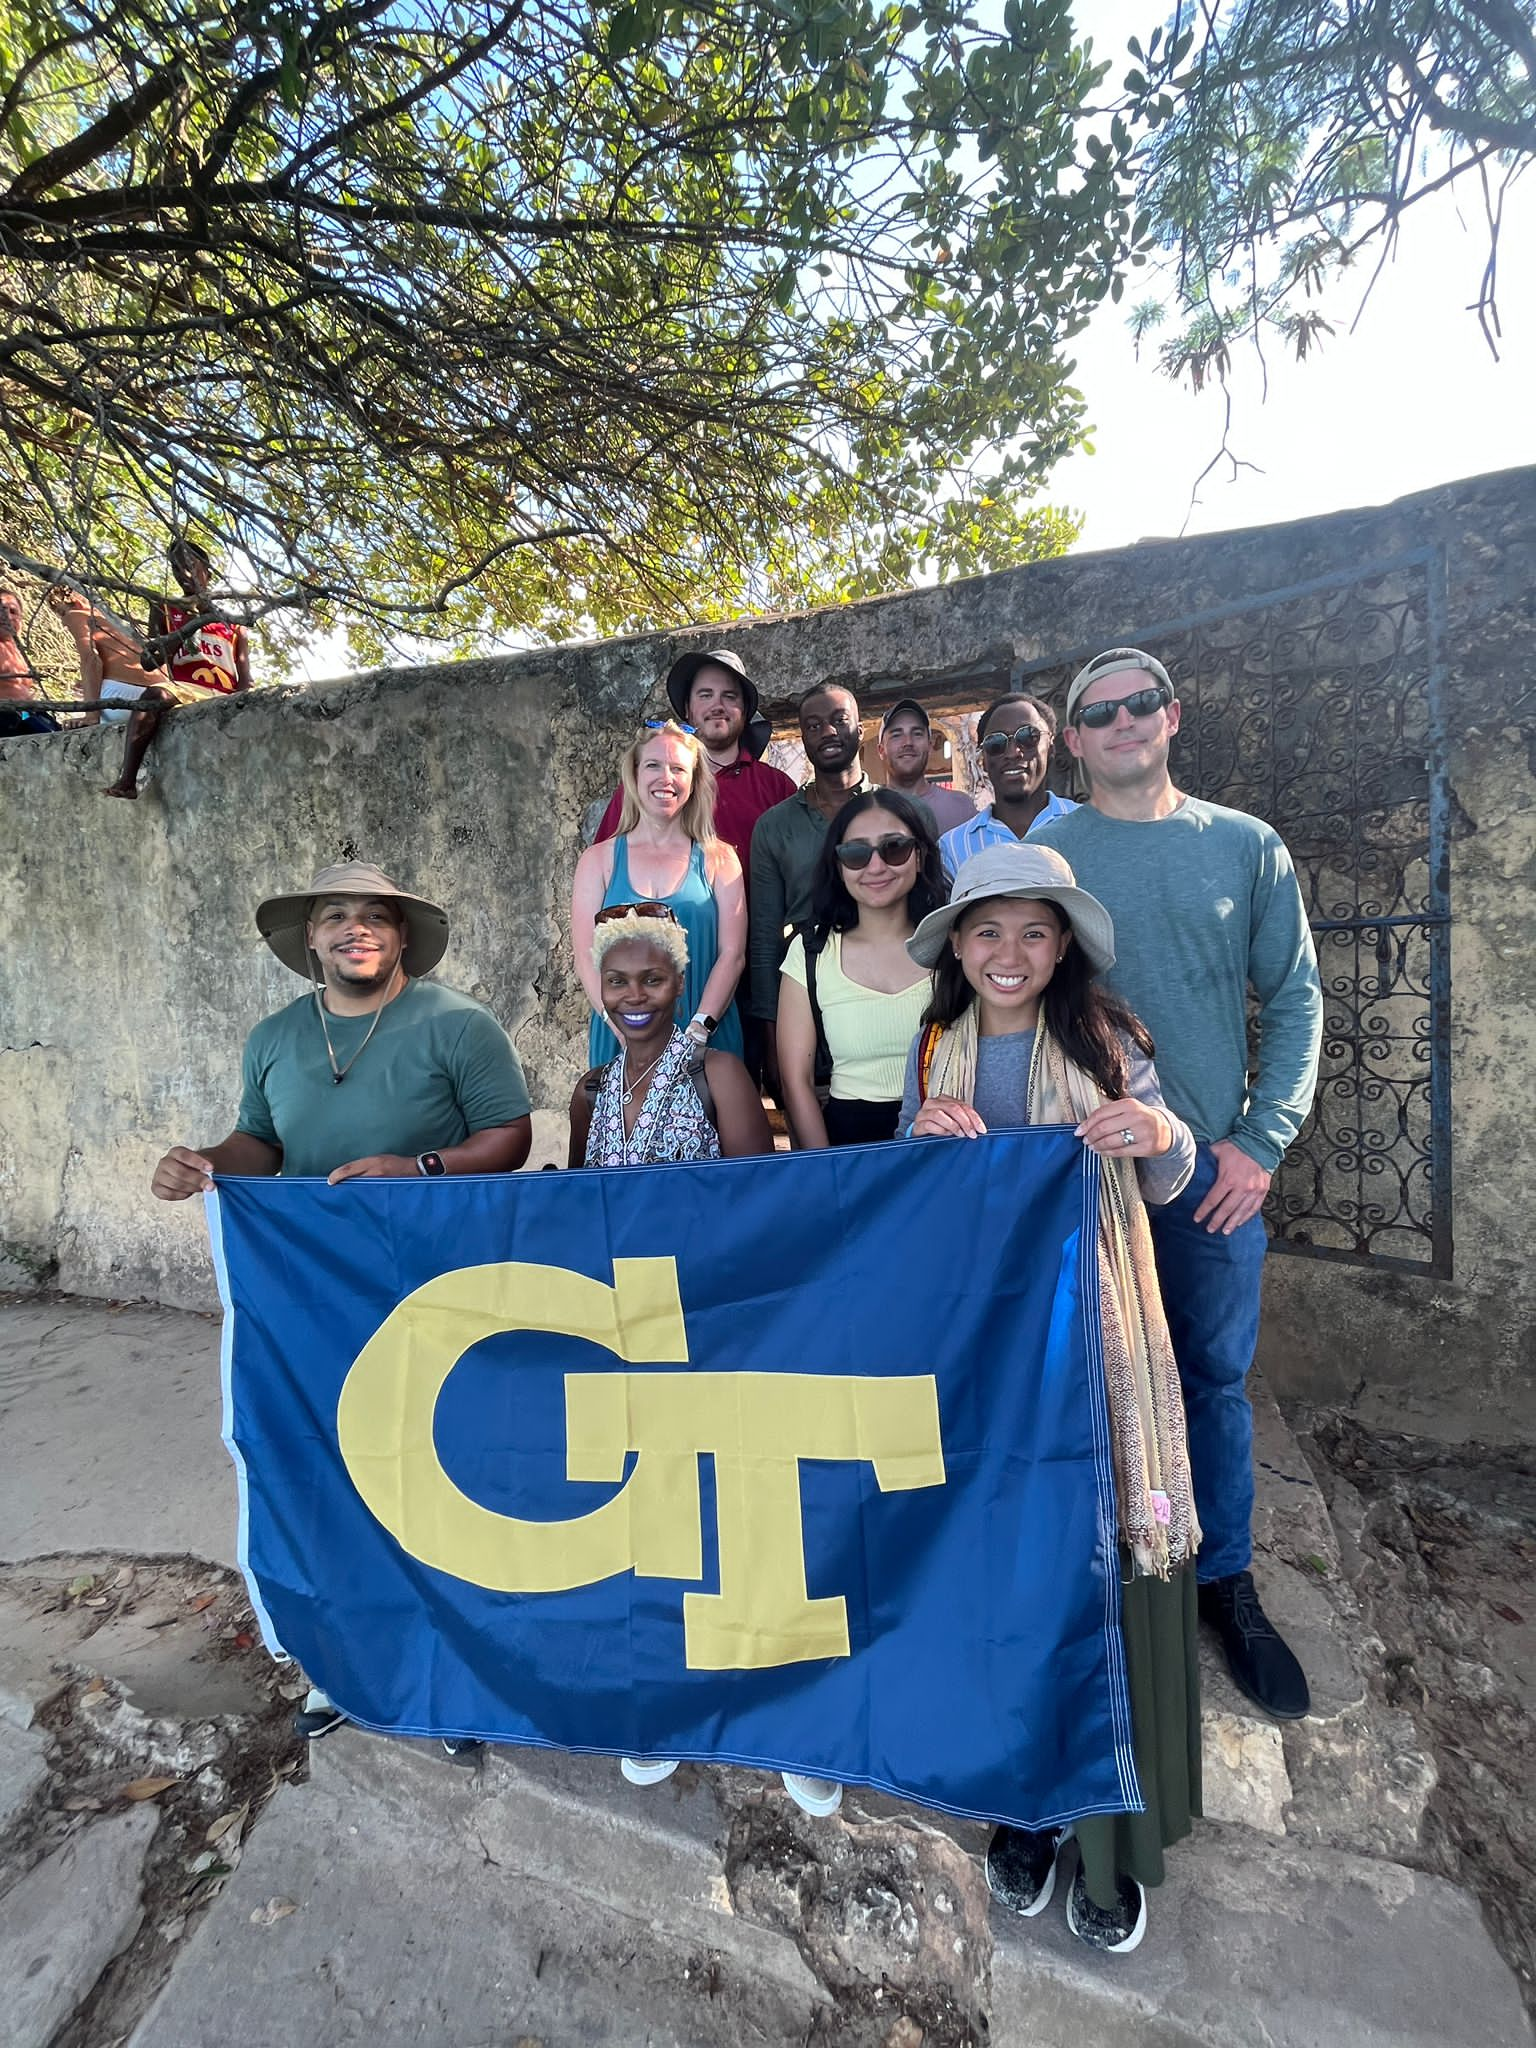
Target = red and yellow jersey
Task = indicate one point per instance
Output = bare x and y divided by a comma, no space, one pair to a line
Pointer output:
206,658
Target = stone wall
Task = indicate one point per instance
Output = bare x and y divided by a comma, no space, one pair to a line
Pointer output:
132,970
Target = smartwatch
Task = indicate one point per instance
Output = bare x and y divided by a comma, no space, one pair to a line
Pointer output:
705,1023
431,1164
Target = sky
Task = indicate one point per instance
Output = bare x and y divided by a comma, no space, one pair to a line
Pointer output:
1410,399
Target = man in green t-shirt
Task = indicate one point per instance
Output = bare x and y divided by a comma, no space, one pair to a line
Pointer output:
374,1073
1207,910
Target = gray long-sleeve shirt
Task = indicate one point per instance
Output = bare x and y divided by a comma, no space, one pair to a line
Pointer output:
1002,1089
1206,905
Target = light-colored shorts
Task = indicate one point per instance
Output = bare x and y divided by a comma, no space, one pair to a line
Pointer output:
120,693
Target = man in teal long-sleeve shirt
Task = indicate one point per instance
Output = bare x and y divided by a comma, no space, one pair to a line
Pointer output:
1206,908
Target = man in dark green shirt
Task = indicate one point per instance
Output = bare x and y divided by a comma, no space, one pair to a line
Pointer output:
375,1073
786,841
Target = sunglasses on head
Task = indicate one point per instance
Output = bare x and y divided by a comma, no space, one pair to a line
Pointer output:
1140,704
894,848
996,744
661,725
660,911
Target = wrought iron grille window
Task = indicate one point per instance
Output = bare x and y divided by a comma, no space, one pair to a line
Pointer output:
1319,708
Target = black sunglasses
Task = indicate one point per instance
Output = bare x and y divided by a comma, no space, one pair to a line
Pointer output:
612,912
1024,738
1140,704
894,848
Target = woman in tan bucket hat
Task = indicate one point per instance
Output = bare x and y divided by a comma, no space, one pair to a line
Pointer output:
1019,1032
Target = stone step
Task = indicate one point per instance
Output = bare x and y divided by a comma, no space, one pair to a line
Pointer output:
64,1921
1351,1774
541,1899
1255,1944
23,1769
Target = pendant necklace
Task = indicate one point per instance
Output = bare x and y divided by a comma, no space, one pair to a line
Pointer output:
627,1138
628,1095
339,1074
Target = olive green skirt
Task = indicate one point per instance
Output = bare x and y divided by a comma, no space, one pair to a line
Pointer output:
1159,1621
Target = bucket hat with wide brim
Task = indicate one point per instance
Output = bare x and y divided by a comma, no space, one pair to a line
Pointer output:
1032,874
757,732
281,919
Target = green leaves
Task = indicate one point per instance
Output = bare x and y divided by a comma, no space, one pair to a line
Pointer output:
488,317
1303,135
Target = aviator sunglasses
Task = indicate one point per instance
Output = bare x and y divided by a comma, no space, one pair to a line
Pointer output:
996,744
612,911
894,848
1140,704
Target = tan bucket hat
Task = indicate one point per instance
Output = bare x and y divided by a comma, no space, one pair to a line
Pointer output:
281,919
1032,873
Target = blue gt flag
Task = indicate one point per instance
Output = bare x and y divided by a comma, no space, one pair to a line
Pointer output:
792,1462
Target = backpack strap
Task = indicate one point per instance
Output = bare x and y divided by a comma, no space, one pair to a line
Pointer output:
927,1046
806,933
696,1073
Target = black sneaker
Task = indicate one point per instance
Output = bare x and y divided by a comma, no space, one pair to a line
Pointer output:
463,1749
1021,1868
1116,1932
310,1723
1262,1664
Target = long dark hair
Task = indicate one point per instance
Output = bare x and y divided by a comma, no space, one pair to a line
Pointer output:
1085,1020
832,908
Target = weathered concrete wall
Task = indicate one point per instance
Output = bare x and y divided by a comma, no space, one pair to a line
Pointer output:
132,970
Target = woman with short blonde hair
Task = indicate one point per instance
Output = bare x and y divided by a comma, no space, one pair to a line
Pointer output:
666,853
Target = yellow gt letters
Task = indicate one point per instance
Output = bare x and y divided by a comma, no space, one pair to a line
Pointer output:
757,1426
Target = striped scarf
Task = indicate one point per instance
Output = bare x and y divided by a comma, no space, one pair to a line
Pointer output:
1146,1407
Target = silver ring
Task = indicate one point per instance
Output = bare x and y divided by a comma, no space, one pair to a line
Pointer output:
1127,1137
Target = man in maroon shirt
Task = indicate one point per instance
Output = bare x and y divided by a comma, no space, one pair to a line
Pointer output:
713,693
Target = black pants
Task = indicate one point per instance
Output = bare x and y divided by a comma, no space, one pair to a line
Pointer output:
859,1123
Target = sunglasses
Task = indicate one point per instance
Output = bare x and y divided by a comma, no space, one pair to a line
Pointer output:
660,911
662,724
996,744
1140,704
894,848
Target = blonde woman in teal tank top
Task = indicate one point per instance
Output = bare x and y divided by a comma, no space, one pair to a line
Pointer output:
666,853
878,875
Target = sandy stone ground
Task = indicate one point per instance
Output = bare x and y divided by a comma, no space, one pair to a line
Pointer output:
175,1869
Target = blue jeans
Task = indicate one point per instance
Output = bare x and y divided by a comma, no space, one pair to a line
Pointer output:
1211,1289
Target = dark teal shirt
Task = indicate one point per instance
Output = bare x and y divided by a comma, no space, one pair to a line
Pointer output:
438,1068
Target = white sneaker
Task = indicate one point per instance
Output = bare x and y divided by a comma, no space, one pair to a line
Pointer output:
1115,1932
647,1770
819,1796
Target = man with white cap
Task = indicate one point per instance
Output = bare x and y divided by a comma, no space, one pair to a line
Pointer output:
1206,910
375,1073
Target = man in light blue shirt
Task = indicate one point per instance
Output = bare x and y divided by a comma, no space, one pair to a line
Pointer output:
1015,735
1207,910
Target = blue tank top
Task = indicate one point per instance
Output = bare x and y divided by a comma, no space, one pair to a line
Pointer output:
692,903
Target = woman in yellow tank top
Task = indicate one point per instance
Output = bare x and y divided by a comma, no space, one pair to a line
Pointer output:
848,984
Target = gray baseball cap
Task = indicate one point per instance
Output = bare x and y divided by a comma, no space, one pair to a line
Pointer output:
1031,873
1113,662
